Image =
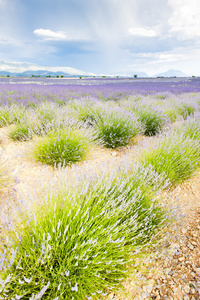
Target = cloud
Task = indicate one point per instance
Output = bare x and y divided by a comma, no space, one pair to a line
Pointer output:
143,32
48,34
185,21
12,66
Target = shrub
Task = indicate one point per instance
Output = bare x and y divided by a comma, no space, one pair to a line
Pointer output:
86,109
21,132
116,128
79,245
62,147
191,127
152,120
175,154
46,113
5,116
17,113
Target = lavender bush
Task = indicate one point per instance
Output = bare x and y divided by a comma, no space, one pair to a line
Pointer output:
61,147
115,128
80,241
152,120
175,154
21,132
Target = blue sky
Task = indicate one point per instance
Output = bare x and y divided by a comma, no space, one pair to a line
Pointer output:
102,36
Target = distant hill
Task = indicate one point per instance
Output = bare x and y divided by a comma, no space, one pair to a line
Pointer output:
28,69
171,73
40,73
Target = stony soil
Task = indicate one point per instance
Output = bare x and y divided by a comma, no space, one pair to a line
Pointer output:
169,271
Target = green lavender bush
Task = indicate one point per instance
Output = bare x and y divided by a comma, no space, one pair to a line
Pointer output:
175,154
61,147
152,120
21,132
191,127
80,241
5,116
115,128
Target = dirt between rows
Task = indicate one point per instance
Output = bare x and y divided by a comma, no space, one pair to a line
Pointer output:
171,270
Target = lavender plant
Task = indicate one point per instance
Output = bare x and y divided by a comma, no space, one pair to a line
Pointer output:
152,119
115,128
86,109
191,127
175,154
5,117
21,132
61,147
79,245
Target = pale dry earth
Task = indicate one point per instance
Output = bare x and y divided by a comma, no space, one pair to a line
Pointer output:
169,271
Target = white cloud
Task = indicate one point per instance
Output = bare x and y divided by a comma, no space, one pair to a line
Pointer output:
185,19
11,66
143,32
48,34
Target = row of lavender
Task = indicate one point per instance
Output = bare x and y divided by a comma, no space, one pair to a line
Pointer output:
29,90
87,121
81,239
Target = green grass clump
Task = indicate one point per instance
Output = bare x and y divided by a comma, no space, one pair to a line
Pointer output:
79,243
174,154
5,117
85,110
62,147
190,128
21,132
152,120
116,129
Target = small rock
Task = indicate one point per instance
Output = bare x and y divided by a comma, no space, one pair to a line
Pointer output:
193,243
194,235
153,296
181,258
184,230
187,289
114,153
190,246
171,273
192,291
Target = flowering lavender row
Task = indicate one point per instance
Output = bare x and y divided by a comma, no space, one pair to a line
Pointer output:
37,89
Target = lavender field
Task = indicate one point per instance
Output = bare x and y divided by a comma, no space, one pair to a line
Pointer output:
24,90
75,234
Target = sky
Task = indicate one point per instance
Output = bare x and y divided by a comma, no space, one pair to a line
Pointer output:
101,36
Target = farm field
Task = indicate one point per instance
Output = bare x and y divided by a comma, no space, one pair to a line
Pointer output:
89,178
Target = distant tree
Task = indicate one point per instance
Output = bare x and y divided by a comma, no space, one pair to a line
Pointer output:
93,76
103,76
117,76
135,75
193,76
8,75
80,77
61,76
57,76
